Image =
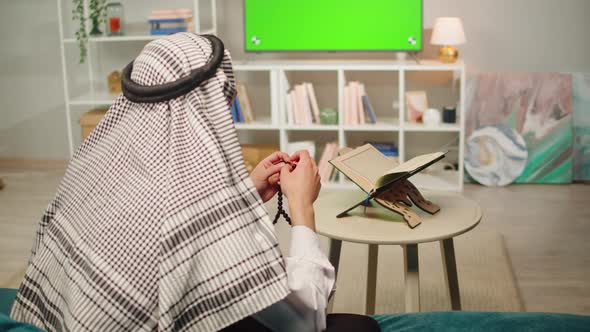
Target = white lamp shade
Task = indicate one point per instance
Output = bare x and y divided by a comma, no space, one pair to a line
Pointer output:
448,31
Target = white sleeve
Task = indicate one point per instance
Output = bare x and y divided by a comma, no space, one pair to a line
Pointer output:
310,278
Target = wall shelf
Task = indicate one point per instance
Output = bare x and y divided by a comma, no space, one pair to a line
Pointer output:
90,75
440,127
391,125
269,81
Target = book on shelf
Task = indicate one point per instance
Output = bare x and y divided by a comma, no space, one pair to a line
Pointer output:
302,105
324,167
367,107
346,105
245,105
359,102
290,118
236,111
357,106
387,149
313,101
169,21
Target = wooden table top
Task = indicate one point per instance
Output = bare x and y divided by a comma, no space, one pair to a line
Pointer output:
381,226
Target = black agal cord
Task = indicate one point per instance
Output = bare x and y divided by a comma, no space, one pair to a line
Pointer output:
164,92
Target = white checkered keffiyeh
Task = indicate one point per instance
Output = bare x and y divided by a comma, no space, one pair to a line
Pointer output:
156,224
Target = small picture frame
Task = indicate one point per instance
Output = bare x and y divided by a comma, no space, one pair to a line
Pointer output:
416,105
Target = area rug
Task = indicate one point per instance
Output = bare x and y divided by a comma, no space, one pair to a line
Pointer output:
486,280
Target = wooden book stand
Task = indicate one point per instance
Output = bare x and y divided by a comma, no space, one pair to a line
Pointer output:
396,200
397,196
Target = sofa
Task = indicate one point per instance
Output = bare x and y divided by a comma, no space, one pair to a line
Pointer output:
422,321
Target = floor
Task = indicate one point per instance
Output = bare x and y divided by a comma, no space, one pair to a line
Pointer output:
546,229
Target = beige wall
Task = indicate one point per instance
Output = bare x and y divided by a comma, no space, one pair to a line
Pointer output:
503,35
32,117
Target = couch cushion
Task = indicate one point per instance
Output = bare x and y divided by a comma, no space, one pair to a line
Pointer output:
482,321
7,296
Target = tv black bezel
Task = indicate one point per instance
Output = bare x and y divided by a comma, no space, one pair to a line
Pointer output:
332,51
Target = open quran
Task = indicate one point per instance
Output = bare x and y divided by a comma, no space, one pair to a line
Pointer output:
385,181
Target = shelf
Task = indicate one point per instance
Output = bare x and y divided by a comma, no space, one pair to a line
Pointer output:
328,65
379,126
312,127
115,38
263,124
442,127
125,38
96,98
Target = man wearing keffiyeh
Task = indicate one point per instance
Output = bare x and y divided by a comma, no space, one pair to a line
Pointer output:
157,225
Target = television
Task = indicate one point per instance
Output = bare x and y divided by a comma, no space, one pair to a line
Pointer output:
332,25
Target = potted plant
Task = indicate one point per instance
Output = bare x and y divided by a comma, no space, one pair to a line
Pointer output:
97,16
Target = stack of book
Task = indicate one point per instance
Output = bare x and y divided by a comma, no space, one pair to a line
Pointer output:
241,110
169,21
357,107
302,105
327,171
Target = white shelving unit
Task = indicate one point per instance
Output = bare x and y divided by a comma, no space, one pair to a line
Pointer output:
84,86
394,127
386,81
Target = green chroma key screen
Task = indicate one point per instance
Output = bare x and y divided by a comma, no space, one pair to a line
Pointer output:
332,25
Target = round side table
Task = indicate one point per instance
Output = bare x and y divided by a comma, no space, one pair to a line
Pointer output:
379,226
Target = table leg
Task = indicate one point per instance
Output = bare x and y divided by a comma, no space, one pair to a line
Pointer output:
334,257
371,279
447,250
412,277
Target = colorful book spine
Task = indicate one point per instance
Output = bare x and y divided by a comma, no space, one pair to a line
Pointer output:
239,110
359,103
302,105
369,109
357,107
326,169
289,101
245,105
313,102
234,112
387,149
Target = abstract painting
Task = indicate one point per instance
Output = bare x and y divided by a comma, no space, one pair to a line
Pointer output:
538,106
495,155
581,108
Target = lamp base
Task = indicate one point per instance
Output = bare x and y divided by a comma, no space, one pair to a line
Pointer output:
448,54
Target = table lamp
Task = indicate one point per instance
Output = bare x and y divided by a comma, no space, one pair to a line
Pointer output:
448,31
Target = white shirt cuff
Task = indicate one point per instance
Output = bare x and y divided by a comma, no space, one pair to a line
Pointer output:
304,243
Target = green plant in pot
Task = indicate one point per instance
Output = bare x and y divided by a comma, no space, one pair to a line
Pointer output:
97,16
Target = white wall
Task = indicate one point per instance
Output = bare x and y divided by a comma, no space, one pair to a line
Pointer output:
503,35
32,120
